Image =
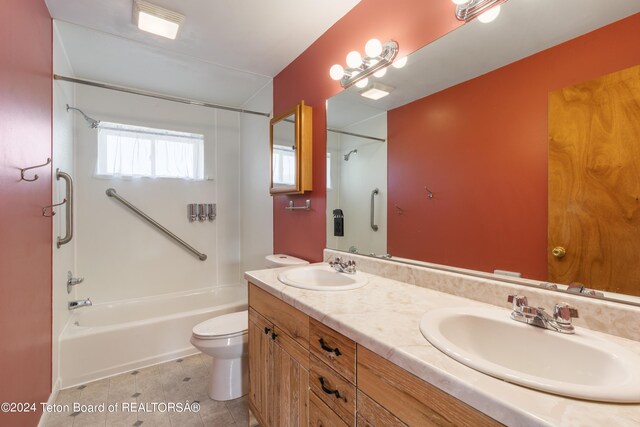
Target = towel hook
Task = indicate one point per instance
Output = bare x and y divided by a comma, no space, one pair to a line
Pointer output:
429,193
35,177
44,210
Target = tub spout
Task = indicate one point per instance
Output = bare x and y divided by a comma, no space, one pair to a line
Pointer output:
79,303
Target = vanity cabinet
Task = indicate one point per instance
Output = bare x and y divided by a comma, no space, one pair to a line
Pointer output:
302,372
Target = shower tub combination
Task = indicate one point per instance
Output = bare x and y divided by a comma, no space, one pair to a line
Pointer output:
112,338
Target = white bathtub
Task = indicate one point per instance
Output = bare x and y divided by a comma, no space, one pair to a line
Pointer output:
108,339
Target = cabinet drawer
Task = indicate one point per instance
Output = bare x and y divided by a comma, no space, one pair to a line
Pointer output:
335,391
333,348
290,320
412,400
320,415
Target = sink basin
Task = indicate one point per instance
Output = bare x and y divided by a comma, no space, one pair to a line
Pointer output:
322,278
583,365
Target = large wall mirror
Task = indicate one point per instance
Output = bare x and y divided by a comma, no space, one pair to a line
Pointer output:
492,139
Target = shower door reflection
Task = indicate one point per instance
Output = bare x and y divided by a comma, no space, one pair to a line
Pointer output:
355,167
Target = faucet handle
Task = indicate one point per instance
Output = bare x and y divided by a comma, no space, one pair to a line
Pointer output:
517,300
563,313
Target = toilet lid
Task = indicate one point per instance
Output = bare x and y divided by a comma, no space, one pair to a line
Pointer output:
223,326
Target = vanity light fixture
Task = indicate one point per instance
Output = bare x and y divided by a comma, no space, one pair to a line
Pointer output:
485,10
377,91
156,20
378,56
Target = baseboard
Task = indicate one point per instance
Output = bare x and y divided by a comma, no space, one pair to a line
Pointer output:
52,399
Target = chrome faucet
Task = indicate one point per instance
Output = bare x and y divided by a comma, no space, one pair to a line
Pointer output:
79,303
579,288
560,321
340,266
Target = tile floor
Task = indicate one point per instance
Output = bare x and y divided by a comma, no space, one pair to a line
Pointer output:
177,381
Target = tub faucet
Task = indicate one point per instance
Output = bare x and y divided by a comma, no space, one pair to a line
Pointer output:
560,321
79,303
340,266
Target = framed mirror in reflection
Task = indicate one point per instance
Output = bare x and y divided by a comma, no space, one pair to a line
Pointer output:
505,144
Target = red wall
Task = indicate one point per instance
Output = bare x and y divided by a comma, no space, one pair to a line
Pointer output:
412,23
25,235
481,147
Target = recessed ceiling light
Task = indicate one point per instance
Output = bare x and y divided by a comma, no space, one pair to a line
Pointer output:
156,20
377,91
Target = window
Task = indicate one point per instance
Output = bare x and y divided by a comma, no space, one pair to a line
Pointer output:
284,165
136,151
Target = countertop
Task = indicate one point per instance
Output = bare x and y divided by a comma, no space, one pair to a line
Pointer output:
384,316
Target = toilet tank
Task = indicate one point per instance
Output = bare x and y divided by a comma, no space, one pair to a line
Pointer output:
282,260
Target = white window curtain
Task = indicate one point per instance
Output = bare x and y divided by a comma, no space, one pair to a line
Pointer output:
284,165
136,151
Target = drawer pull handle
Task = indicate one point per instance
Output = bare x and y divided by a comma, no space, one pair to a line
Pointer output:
267,330
274,336
325,347
328,390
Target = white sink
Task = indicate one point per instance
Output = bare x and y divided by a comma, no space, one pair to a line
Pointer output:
322,278
582,365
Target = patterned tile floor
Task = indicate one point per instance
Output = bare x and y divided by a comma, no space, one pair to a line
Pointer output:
172,382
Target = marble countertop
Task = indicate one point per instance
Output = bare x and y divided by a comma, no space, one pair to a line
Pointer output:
384,316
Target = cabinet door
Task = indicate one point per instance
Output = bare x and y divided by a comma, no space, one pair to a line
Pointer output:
259,347
289,382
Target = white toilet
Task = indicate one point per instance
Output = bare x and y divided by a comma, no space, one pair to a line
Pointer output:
225,338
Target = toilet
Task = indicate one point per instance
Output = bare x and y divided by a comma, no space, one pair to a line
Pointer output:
225,339
282,260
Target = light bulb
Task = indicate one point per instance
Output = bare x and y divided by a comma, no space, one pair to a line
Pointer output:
354,60
489,15
399,63
362,83
459,2
336,72
380,73
373,48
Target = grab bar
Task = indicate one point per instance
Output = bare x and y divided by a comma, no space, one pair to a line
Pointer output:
68,208
374,227
112,193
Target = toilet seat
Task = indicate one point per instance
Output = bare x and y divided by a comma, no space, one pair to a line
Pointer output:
225,326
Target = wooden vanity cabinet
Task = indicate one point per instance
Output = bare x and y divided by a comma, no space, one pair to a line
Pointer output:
302,372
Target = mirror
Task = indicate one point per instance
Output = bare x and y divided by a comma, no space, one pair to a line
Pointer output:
468,144
291,146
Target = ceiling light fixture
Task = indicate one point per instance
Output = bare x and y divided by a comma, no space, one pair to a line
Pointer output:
359,69
485,10
377,91
156,20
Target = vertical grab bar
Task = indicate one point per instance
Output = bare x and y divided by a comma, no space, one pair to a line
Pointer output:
374,227
68,208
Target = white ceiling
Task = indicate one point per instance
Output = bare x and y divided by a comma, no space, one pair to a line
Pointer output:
225,51
523,28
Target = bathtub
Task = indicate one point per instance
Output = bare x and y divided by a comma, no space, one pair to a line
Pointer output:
107,339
